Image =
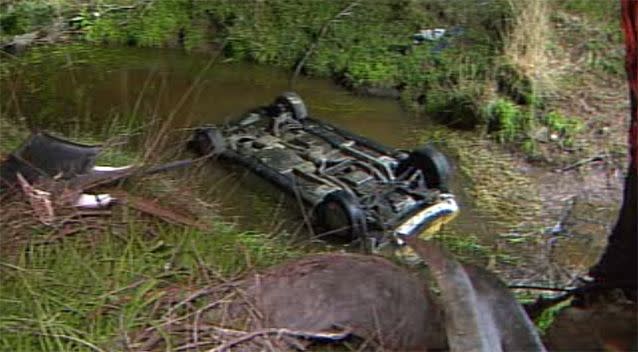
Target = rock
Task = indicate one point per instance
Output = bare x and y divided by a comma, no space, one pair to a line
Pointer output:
541,134
49,35
20,43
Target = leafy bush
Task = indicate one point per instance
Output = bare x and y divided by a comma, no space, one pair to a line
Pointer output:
507,120
455,89
24,16
455,107
107,30
564,127
159,24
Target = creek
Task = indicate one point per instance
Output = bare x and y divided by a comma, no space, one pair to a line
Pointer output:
79,90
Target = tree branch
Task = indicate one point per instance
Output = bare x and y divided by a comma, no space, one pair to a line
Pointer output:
345,12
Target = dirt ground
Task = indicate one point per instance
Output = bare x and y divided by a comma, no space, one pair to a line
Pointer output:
579,189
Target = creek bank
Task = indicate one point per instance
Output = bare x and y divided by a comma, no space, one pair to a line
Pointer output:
61,33
463,78
57,33
545,226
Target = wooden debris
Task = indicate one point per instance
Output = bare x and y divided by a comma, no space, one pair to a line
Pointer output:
153,208
39,200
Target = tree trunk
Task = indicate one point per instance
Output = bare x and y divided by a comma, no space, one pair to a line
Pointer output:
618,267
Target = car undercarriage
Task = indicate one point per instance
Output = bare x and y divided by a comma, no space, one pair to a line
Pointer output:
356,189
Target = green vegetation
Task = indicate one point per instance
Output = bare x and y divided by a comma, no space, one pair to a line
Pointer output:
11,136
565,128
496,186
467,248
545,320
500,71
24,16
499,56
507,119
87,281
98,285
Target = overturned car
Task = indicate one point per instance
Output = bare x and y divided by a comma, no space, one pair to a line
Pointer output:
354,189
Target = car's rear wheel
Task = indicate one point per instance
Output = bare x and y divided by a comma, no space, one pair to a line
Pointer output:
207,141
339,216
292,102
433,164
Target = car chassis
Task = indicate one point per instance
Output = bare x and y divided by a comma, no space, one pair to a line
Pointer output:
355,189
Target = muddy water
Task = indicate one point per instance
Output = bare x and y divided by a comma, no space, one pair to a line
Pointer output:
97,90
153,82
108,91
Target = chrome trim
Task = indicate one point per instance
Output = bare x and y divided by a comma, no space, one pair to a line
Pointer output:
423,219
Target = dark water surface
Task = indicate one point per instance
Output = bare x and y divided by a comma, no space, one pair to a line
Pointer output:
119,82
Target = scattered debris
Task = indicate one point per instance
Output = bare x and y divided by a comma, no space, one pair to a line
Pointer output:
153,208
428,35
43,189
582,162
40,201
53,172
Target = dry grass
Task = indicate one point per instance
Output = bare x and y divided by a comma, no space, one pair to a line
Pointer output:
217,318
496,183
526,45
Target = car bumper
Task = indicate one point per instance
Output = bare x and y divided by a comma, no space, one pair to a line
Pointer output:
429,220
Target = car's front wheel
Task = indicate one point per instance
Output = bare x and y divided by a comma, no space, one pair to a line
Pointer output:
433,165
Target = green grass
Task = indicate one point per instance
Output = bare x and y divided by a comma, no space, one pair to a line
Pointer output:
87,291
465,246
545,320
12,135
507,120
494,184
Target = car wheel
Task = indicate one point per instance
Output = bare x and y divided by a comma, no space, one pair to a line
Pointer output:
291,101
339,216
207,141
433,164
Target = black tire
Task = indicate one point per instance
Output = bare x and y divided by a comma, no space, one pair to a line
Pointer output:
207,141
433,164
339,216
291,101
